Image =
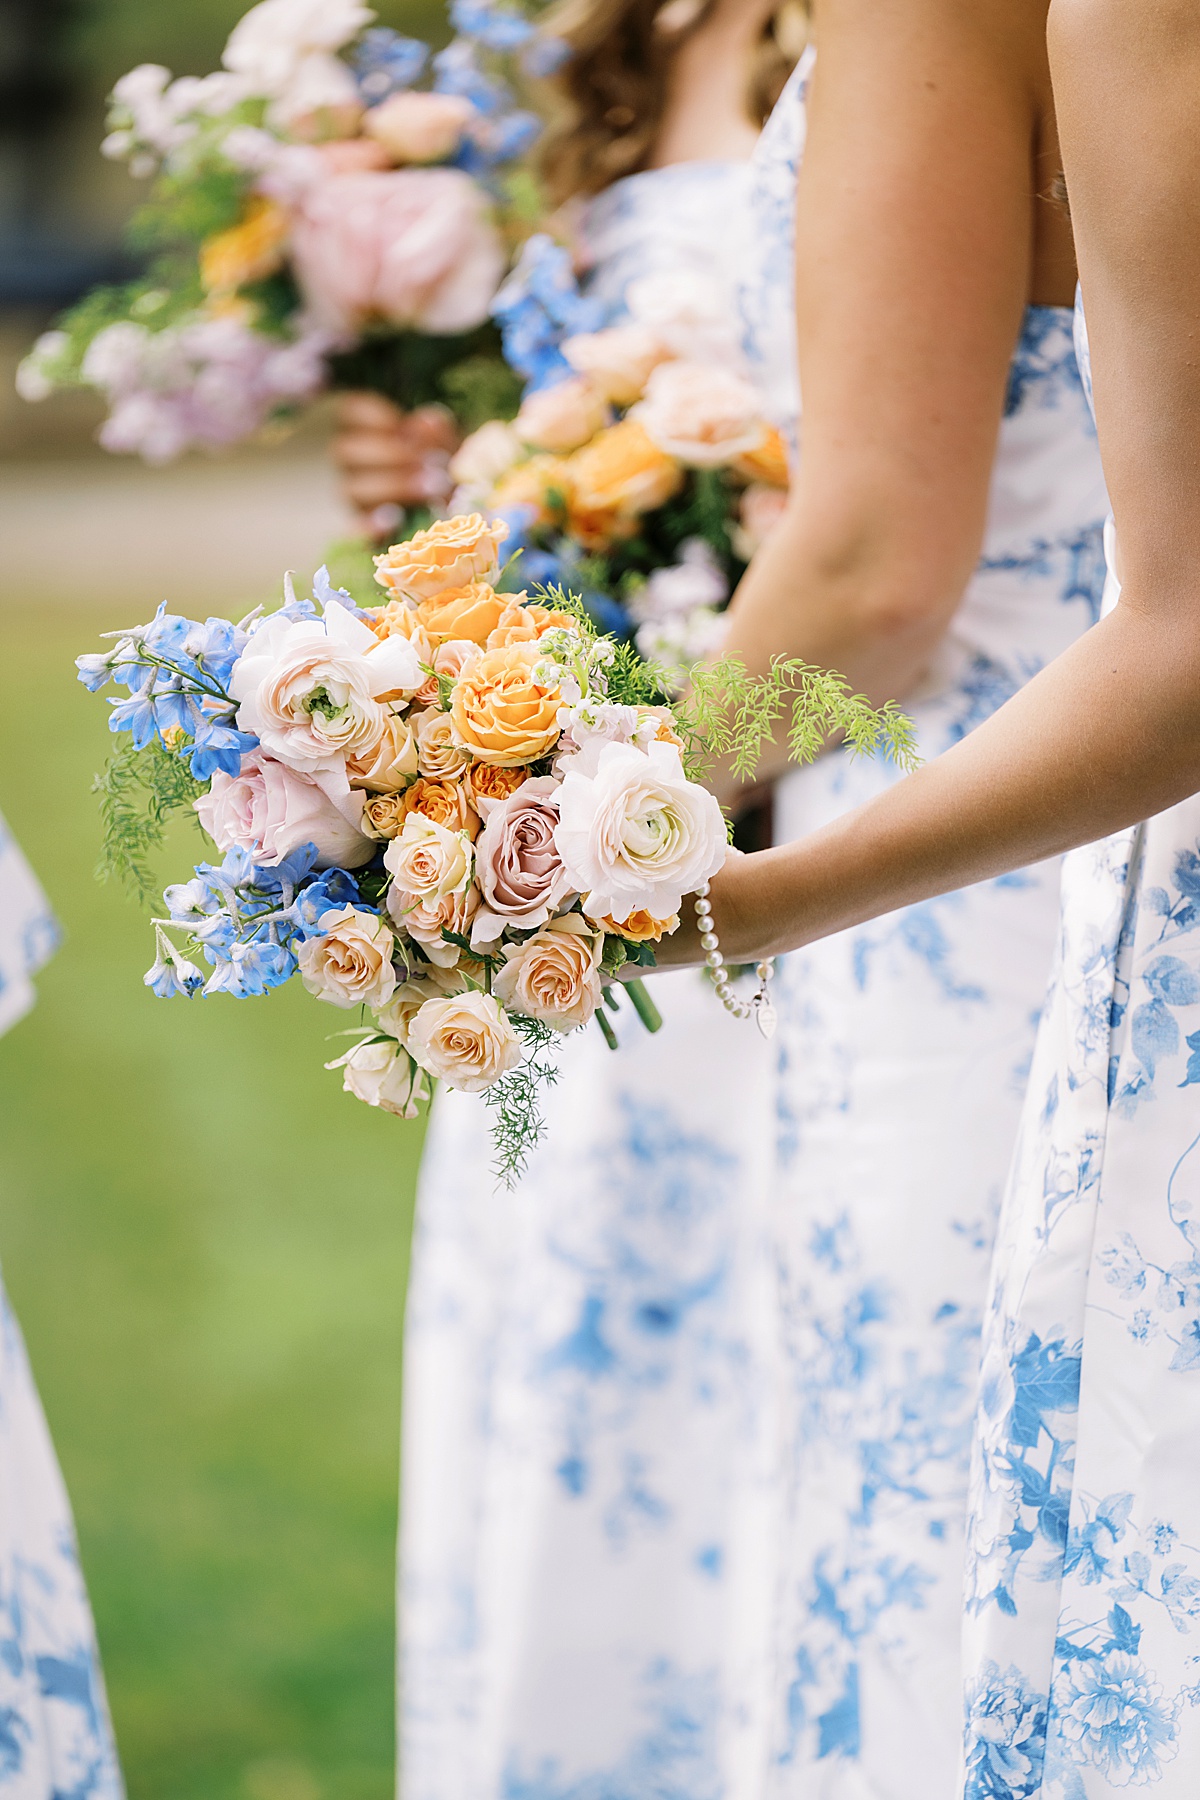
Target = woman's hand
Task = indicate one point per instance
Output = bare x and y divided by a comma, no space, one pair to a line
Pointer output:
728,895
389,460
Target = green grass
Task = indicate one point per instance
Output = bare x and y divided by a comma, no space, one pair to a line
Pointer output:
206,1243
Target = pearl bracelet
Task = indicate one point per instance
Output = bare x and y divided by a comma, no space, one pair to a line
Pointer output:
759,1005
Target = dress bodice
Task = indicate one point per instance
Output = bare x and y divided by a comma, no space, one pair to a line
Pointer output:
1046,476
691,218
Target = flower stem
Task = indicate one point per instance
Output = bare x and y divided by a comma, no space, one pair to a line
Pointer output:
610,1036
643,1005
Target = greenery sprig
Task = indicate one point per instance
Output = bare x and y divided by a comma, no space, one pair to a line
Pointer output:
140,791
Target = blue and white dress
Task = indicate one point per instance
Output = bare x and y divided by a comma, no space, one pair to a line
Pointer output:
584,1378
1083,1636
904,1047
55,1738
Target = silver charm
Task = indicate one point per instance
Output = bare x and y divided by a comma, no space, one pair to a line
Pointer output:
765,1018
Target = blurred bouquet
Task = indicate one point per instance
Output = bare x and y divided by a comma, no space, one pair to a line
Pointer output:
641,468
462,810
333,205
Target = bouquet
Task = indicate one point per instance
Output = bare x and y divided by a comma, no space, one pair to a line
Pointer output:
460,813
640,469
335,205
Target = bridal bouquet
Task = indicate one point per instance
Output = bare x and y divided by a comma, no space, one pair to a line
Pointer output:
640,467
333,205
461,812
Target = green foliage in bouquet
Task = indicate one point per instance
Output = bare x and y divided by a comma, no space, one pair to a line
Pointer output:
466,372
140,791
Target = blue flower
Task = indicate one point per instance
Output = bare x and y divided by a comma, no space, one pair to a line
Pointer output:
538,306
173,976
385,63
456,71
545,55
217,748
494,26
331,890
1005,1737
1110,1717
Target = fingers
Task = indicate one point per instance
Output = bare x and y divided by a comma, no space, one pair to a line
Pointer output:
368,412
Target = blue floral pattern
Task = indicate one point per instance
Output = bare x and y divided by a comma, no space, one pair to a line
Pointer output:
29,932
903,1052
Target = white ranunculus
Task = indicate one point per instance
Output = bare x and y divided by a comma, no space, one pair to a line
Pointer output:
270,810
350,964
428,862
311,690
268,44
636,835
383,1076
466,1041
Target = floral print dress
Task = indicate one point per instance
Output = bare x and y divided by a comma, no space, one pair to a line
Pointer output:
1083,1634
903,1051
55,1738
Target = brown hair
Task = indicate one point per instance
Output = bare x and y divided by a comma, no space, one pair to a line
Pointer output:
613,85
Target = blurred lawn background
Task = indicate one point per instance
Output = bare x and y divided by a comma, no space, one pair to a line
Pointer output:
205,1241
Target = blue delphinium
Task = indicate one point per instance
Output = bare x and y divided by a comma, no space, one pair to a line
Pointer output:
494,26
537,307
456,70
387,63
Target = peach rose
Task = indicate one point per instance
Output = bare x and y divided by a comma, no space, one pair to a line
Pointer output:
446,802
248,251
486,783
501,712
623,472
410,996
350,964
471,611
425,920
768,462
618,361
542,483
524,622
451,658
704,415
465,1041
438,756
554,976
562,417
448,554
383,1075
419,128
638,928
383,816
352,155
427,861
390,762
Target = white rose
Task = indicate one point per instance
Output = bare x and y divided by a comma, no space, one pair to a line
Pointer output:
270,810
704,415
312,690
350,964
486,455
427,862
384,1076
637,835
618,361
554,976
466,1041
697,579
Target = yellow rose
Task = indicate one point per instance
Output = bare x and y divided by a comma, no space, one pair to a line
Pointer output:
448,554
623,472
767,462
446,802
501,713
525,624
638,928
543,483
248,251
472,612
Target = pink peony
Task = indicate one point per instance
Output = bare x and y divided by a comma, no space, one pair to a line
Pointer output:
270,810
518,865
412,247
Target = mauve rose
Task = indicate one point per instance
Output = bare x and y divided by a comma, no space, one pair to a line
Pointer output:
412,247
270,811
517,863
419,128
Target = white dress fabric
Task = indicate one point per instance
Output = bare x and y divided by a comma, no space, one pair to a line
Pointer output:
55,1738
1083,1638
583,1374
903,1050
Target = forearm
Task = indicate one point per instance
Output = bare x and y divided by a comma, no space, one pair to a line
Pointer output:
1108,735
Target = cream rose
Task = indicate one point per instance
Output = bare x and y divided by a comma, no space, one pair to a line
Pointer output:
427,862
350,964
417,127
704,415
502,713
448,554
455,655
438,756
424,921
383,1075
389,764
487,454
465,1041
554,976
384,816
518,866
562,417
618,361
270,811
635,834
411,995
311,691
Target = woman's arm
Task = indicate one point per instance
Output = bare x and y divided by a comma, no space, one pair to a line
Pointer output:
1110,733
916,230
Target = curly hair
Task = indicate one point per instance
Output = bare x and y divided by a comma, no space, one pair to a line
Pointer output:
613,85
